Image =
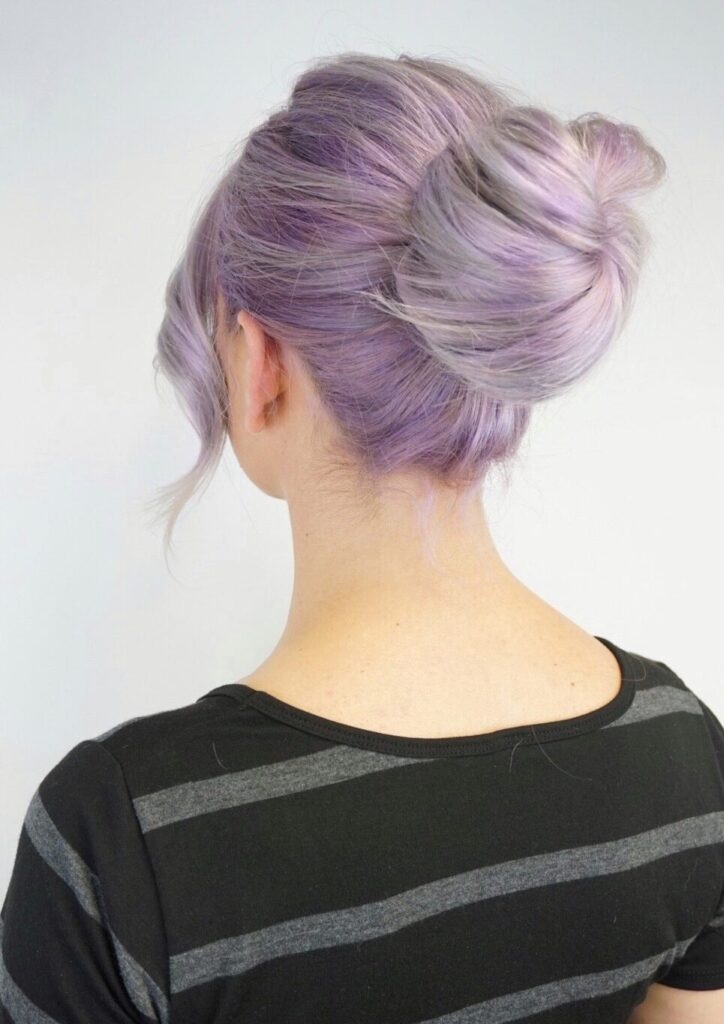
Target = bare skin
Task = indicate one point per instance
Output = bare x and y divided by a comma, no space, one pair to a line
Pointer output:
378,634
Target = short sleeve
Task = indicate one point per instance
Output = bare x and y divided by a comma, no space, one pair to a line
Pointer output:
702,964
81,934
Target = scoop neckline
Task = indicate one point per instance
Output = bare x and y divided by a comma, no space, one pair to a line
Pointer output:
447,746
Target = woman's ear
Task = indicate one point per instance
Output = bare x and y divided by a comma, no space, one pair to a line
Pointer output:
263,375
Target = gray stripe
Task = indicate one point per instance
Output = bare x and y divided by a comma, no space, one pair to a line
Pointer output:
279,778
60,856
12,997
718,919
657,700
383,917
335,764
85,885
524,1004
498,1010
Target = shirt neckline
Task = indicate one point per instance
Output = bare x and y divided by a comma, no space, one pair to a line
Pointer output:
445,746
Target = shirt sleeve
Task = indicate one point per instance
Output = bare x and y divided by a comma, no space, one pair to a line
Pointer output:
81,934
702,964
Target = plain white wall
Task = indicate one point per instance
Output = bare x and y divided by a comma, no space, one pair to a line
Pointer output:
116,120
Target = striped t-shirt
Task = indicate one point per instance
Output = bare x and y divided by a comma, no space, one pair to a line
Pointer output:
238,861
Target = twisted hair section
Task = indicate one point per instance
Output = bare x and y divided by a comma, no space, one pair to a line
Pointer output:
437,254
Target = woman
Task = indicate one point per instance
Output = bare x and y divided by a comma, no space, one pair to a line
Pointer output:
438,799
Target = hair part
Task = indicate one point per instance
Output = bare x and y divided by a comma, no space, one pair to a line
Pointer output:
439,256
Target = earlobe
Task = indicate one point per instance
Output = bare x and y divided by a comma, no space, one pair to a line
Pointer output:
255,399
259,413
255,416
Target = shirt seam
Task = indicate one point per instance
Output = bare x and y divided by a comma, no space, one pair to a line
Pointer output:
706,711
167,963
525,734
418,748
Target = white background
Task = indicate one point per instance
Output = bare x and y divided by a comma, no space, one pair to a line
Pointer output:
116,121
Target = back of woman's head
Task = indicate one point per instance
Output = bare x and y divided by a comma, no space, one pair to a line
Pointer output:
439,258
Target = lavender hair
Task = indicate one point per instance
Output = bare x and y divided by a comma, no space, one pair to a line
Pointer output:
439,256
